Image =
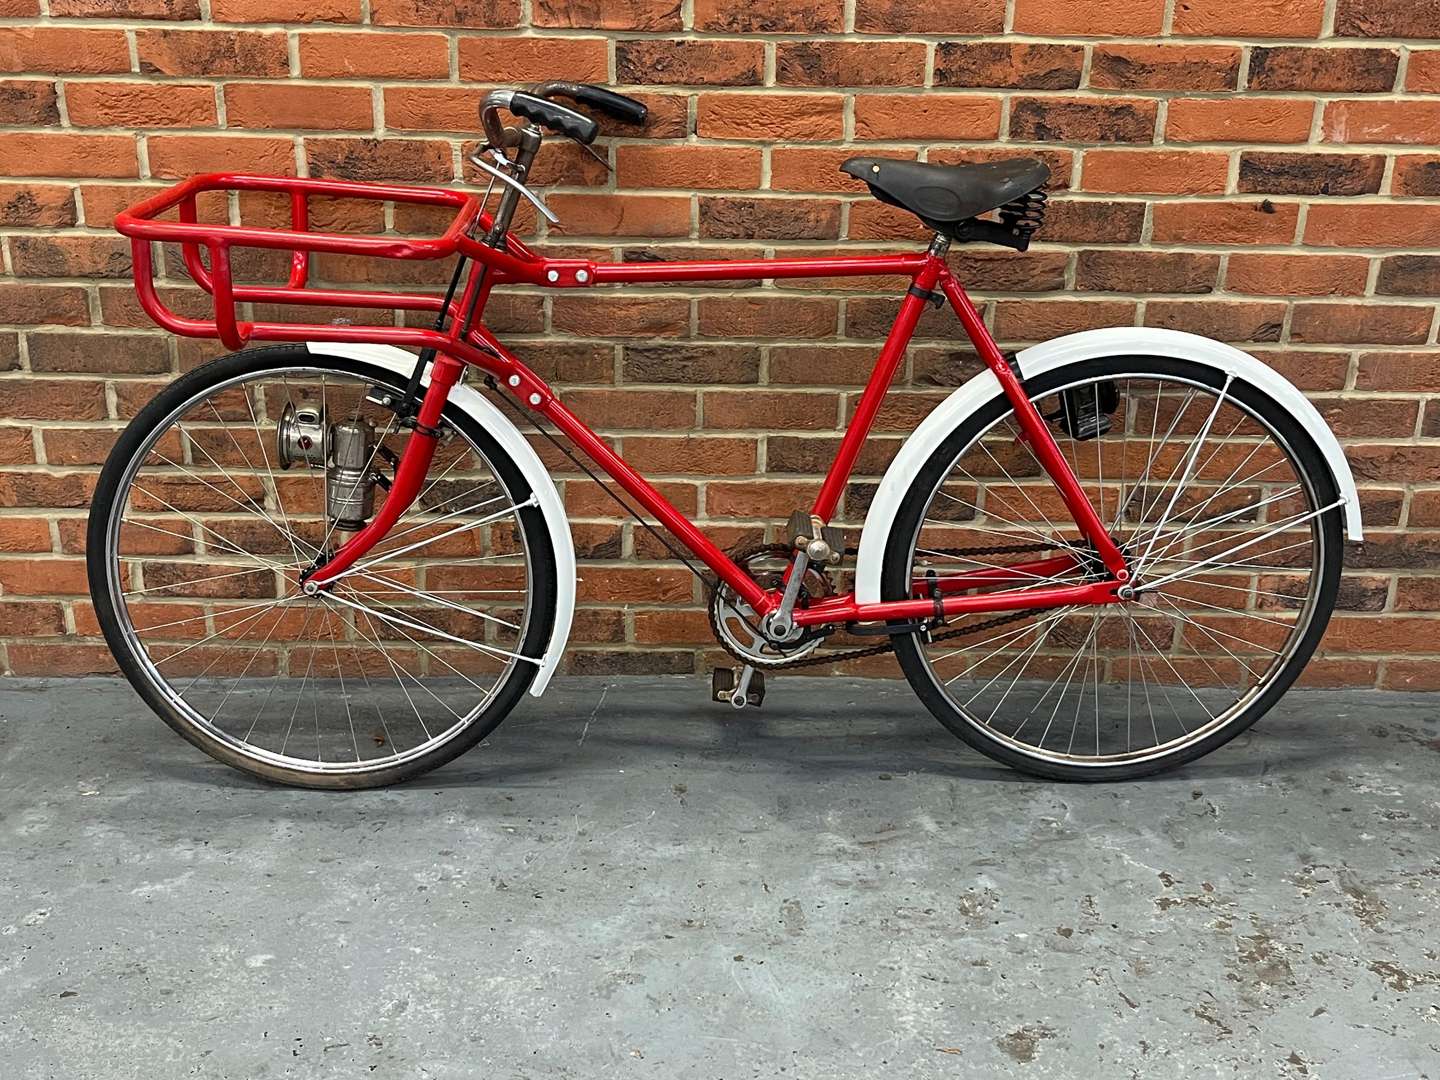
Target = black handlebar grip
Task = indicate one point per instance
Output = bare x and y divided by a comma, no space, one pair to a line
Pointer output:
616,106
557,118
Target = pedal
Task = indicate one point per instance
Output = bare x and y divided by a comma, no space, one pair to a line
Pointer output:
739,690
824,545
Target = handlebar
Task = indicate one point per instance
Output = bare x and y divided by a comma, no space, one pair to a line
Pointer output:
537,106
616,106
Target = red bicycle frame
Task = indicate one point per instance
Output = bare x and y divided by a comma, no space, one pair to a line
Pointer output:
466,341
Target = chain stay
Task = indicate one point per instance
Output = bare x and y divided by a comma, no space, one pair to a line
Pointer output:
889,645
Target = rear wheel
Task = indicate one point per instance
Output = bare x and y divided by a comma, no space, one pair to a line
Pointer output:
204,520
1231,524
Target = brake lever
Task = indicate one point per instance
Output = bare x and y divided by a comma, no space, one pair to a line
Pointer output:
504,177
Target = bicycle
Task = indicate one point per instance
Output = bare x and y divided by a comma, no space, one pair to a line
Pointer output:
333,563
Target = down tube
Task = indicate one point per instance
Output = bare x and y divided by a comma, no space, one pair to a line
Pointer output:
620,471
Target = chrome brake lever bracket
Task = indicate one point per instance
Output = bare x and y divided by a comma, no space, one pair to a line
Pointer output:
504,177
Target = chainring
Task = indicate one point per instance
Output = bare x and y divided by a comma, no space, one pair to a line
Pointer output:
732,622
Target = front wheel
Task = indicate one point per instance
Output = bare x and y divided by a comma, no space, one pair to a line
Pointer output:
1231,525
228,486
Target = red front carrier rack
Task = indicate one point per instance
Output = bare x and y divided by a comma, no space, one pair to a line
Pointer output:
143,225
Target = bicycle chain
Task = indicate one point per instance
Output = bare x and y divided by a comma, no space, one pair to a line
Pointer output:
889,644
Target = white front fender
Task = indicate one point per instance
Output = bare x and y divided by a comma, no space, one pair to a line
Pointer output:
1071,349
499,427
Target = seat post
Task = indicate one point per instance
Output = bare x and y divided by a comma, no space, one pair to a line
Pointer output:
939,246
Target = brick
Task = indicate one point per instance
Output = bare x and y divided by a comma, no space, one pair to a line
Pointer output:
600,315
1008,65
803,117
63,50
1225,223
285,11
1361,324
126,9
212,52
36,206
1416,174
533,59
103,354
771,410
1002,271
414,160
29,102
1311,174
691,363
1350,71
690,63
767,317
1165,67
374,55
849,63
906,117
140,105
1094,222
179,156
1409,275
29,153
1387,18
1040,320
1368,121
607,14
1403,226
295,105
795,168
52,399
1082,119
432,108
24,534
1422,74
770,16
621,215
1253,120
466,14
1400,372
614,409
60,305
1146,272
1297,275
704,168
70,255
939,17
1258,19
734,218
1223,320
1089,18
1161,172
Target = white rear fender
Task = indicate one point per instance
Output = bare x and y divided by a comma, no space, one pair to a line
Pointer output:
499,427
1071,349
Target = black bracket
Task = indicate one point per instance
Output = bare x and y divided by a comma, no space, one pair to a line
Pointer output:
928,295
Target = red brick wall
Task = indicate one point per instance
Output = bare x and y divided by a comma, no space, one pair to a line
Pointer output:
1263,172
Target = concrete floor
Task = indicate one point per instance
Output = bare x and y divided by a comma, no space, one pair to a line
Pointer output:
627,881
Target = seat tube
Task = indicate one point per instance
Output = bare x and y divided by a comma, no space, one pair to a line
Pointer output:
858,430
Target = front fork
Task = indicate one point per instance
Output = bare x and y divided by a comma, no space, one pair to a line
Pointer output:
409,477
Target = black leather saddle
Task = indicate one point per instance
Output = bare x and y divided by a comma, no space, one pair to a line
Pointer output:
950,198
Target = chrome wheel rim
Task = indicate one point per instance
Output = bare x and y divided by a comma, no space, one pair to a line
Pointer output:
395,661
1226,578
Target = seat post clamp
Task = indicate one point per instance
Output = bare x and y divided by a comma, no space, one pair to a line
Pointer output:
928,295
